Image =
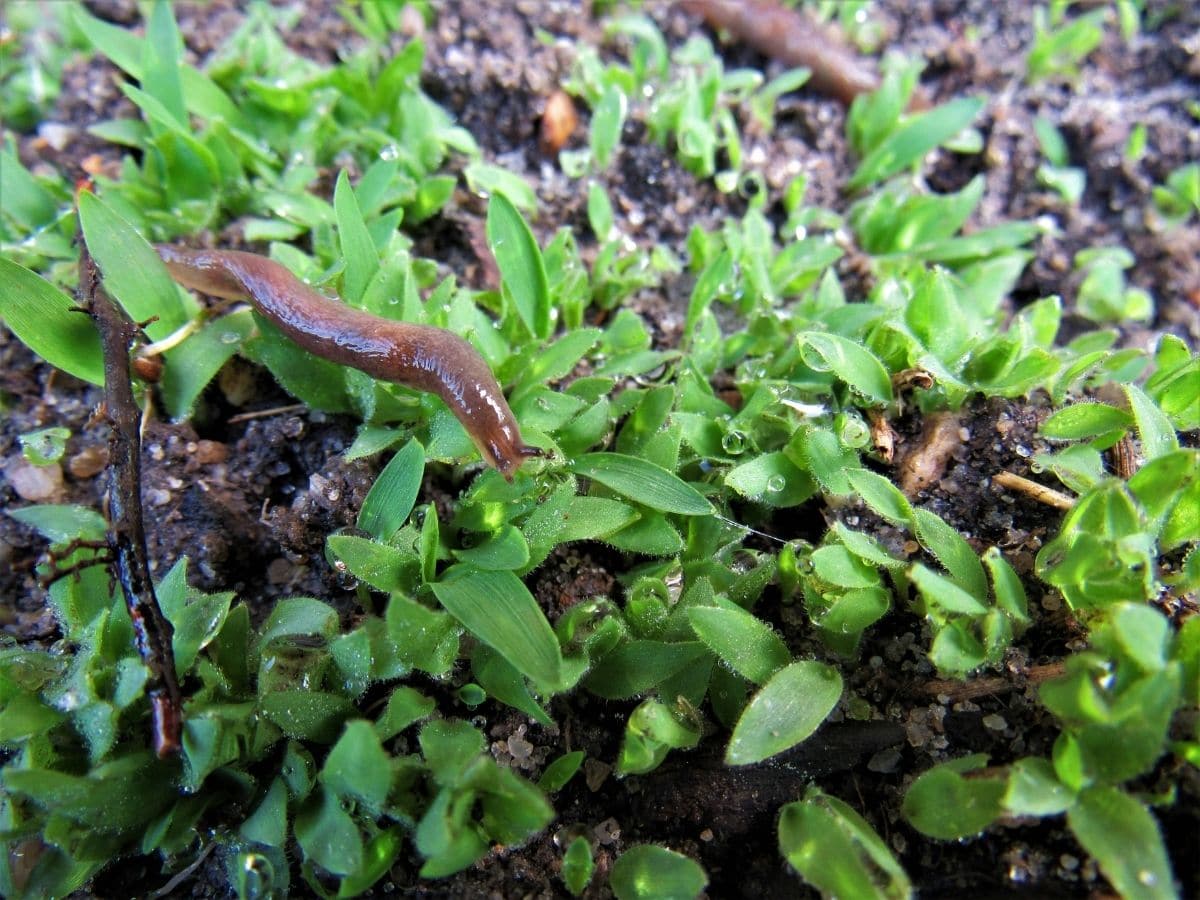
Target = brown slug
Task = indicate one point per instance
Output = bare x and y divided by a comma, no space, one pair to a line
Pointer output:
417,356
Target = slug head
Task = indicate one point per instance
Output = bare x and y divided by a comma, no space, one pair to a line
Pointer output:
507,455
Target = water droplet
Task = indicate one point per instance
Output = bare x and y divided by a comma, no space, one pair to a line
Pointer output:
1147,877
69,700
733,443
230,337
390,152
776,483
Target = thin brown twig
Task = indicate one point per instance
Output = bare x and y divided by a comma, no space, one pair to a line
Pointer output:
169,889
126,529
957,691
266,413
57,572
1125,464
1038,492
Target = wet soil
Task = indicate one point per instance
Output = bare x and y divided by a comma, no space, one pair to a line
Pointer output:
249,494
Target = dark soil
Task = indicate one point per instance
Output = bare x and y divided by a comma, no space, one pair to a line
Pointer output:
250,500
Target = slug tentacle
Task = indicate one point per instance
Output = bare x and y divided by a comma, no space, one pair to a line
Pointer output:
417,356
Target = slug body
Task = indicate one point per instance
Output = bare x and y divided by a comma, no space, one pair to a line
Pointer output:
417,356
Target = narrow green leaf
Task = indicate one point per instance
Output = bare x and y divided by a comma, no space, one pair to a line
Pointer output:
1034,789
505,549
818,451
133,273
785,711
382,566
1081,421
358,250
487,179
649,872
884,498
425,638
25,200
328,836
1154,428
600,213
716,277
591,518
748,645
834,849
379,855
560,771
196,624
560,358
49,323
299,616
637,666
522,268
502,681
1006,586
654,730
943,595
24,716
952,551
307,715
824,352
1124,837
608,118
651,534
195,362
358,767
837,565
867,548
499,610
394,492
912,140
578,865
945,805
201,95
643,482
319,383
161,55
771,479
404,707
449,747
268,823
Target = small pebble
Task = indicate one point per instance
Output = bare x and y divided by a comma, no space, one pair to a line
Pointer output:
885,761
519,748
37,484
279,571
209,453
88,462
595,773
607,832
